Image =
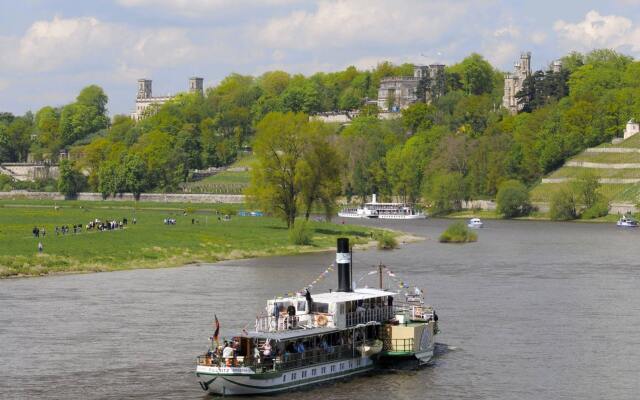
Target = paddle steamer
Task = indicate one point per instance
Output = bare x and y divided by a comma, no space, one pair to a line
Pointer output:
303,340
382,211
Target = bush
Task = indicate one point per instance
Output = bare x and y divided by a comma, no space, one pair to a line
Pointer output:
458,232
513,199
6,183
563,205
300,234
386,241
599,209
446,192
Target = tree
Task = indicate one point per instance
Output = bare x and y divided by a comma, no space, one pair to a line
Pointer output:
513,199
563,205
275,184
476,74
446,192
586,187
71,179
112,179
319,173
134,175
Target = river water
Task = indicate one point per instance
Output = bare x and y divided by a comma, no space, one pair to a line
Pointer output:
532,310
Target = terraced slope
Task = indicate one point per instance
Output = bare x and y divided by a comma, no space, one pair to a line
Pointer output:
617,166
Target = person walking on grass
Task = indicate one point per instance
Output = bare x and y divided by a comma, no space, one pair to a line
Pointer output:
39,247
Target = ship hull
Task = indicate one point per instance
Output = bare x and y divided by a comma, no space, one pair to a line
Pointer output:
230,384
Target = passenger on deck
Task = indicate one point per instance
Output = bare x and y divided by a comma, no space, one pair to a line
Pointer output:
227,354
291,311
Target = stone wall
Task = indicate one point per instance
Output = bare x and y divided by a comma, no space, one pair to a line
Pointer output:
152,197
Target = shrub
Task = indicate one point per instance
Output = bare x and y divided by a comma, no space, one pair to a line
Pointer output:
586,187
300,234
386,241
446,192
513,199
599,209
563,205
458,232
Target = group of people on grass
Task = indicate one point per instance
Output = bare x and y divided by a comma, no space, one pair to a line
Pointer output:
95,224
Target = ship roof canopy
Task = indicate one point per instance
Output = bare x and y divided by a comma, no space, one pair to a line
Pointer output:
287,335
357,294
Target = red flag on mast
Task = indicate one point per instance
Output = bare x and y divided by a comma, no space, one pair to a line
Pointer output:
215,334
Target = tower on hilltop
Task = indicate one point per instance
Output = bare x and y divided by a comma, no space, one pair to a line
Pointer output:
514,81
144,89
196,85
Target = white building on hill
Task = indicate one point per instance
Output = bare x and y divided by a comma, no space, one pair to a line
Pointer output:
145,98
632,128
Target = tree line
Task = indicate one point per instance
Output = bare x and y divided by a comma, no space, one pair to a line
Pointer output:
461,146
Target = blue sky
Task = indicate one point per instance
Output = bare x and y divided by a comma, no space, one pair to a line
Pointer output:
50,49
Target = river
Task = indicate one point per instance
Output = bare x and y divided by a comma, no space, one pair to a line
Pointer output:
532,310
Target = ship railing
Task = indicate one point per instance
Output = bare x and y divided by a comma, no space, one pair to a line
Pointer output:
286,361
271,323
413,311
398,345
365,315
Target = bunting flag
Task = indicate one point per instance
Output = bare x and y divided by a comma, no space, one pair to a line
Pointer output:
217,332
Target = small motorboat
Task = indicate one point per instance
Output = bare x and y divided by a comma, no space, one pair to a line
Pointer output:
475,223
627,222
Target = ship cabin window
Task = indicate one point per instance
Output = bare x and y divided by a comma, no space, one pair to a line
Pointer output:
284,377
320,307
294,375
341,366
323,370
351,306
333,368
350,364
303,374
341,308
302,306
313,372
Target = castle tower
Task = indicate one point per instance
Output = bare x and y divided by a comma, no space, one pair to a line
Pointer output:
513,82
196,85
525,64
144,89
556,67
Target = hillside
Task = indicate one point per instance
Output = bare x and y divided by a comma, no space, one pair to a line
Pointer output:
617,167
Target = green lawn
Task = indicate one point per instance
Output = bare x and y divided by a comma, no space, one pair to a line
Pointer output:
233,182
609,158
614,192
149,243
572,172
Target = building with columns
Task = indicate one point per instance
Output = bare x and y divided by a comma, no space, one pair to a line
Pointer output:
145,98
513,82
399,92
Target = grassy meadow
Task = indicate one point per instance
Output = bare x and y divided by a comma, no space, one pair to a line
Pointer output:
149,243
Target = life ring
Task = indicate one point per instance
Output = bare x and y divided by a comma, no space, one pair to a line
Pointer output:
321,320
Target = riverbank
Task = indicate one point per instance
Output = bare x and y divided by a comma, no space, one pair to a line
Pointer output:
536,216
201,234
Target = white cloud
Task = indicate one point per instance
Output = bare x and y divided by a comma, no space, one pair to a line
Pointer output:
507,31
201,8
88,43
340,23
596,30
49,44
538,37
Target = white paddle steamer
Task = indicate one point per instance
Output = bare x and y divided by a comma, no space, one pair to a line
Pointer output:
304,340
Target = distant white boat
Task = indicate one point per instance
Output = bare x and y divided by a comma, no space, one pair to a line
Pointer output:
383,211
475,223
627,222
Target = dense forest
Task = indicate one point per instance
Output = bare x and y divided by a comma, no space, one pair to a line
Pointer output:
461,146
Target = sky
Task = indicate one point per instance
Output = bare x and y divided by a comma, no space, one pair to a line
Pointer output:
50,49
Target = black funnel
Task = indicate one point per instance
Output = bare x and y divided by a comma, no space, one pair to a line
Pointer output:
343,259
